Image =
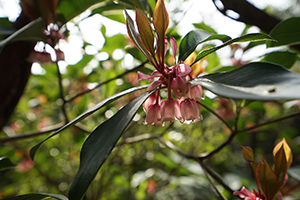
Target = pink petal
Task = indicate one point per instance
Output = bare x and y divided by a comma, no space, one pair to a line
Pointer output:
154,85
180,87
245,193
150,101
153,115
142,76
174,47
195,93
170,110
183,70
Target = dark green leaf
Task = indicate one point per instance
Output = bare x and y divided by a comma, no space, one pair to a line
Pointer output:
37,196
256,81
286,32
99,144
245,38
5,163
189,43
30,32
84,115
283,58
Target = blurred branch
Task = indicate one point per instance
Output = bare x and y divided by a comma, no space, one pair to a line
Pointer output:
210,179
267,123
62,94
33,134
38,133
105,82
207,155
248,14
214,175
214,113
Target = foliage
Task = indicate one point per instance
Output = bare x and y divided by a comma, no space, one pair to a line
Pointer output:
250,104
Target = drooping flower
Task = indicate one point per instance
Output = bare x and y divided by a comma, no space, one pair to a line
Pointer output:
154,115
170,110
189,110
154,44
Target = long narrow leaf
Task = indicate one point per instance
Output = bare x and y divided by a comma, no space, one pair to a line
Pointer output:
191,40
37,196
256,81
84,115
99,144
245,38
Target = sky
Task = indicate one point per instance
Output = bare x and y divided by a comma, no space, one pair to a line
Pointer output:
195,11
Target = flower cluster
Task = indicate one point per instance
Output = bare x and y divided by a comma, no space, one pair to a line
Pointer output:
181,102
268,180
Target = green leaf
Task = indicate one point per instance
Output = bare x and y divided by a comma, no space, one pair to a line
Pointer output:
283,58
254,81
5,163
267,179
33,31
191,40
37,196
245,38
286,32
99,144
71,8
84,115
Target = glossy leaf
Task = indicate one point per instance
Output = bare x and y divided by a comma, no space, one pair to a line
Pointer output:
267,179
287,151
245,38
254,81
280,165
145,31
286,32
283,58
84,115
191,40
30,32
5,163
135,37
248,154
161,23
99,144
37,196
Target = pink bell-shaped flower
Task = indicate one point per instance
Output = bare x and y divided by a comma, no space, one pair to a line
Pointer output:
195,93
180,87
150,101
170,110
153,115
189,110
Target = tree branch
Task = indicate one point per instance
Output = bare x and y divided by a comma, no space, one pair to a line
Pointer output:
248,14
105,82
